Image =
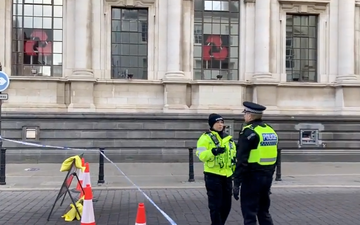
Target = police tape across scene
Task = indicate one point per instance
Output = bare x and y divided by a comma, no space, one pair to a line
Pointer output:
167,217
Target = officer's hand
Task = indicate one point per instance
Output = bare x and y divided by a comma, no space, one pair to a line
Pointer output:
217,151
236,191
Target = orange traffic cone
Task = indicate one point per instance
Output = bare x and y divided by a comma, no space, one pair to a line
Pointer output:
141,215
80,176
88,217
86,178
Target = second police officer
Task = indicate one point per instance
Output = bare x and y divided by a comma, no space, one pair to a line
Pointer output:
256,159
217,151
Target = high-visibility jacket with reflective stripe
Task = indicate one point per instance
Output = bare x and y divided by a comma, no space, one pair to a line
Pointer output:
266,152
223,164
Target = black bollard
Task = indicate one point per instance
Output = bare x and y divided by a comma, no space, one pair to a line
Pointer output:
2,166
278,166
101,167
191,165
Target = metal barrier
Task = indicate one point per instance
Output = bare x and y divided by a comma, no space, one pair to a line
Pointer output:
278,166
191,165
101,167
3,166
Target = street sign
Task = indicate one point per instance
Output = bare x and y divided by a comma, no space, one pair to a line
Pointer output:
4,81
4,96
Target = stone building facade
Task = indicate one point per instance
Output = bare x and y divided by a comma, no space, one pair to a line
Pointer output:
184,58
294,56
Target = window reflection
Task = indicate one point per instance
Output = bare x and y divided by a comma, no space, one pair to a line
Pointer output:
58,2
301,48
216,5
37,38
216,34
129,43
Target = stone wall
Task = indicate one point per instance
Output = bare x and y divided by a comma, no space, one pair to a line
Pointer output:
192,97
86,84
162,137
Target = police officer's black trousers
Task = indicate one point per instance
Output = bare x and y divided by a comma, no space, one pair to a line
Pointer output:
255,198
219,191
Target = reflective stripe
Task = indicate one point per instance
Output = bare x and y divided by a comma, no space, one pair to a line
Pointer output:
268,159
201,149
268,143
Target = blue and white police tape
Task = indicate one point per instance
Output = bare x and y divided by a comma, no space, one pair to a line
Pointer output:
171,221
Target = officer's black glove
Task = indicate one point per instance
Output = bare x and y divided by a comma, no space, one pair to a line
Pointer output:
236,191
217,151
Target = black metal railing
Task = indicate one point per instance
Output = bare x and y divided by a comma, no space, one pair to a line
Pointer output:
191,165
101,167
278,166
3,166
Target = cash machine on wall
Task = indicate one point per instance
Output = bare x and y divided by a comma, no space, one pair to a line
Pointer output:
310,135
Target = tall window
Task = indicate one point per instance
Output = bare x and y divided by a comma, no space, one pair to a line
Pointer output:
37,38
129,43
216,39
301,47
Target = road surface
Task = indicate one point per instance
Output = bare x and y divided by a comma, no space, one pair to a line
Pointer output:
290,206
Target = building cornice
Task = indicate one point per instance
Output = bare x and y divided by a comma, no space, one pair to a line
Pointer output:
304,1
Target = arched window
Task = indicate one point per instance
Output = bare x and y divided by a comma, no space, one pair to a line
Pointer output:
216,39
37,38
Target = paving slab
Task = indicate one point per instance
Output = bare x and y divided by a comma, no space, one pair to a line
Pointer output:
175,175
295,206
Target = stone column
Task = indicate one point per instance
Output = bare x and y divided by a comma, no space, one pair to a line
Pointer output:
82,78
175,82
187,36
249,38
2,30
346,41
174,12
83,42
6,31
262,40
96,36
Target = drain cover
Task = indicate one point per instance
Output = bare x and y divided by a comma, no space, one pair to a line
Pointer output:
32,169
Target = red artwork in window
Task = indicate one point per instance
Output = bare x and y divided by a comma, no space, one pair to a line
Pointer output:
37,46
216,51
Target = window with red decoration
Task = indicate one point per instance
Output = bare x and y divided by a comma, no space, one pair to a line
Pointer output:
216,39
37,36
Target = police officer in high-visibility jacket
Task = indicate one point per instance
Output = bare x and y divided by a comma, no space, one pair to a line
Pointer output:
217,151
256,158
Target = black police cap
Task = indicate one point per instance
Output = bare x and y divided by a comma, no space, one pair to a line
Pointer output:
251,107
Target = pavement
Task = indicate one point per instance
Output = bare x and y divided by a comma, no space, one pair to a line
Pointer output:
290,206
309,193
175,175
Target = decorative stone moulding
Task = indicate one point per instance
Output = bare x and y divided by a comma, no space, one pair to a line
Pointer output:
302,7
131,2
305,1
